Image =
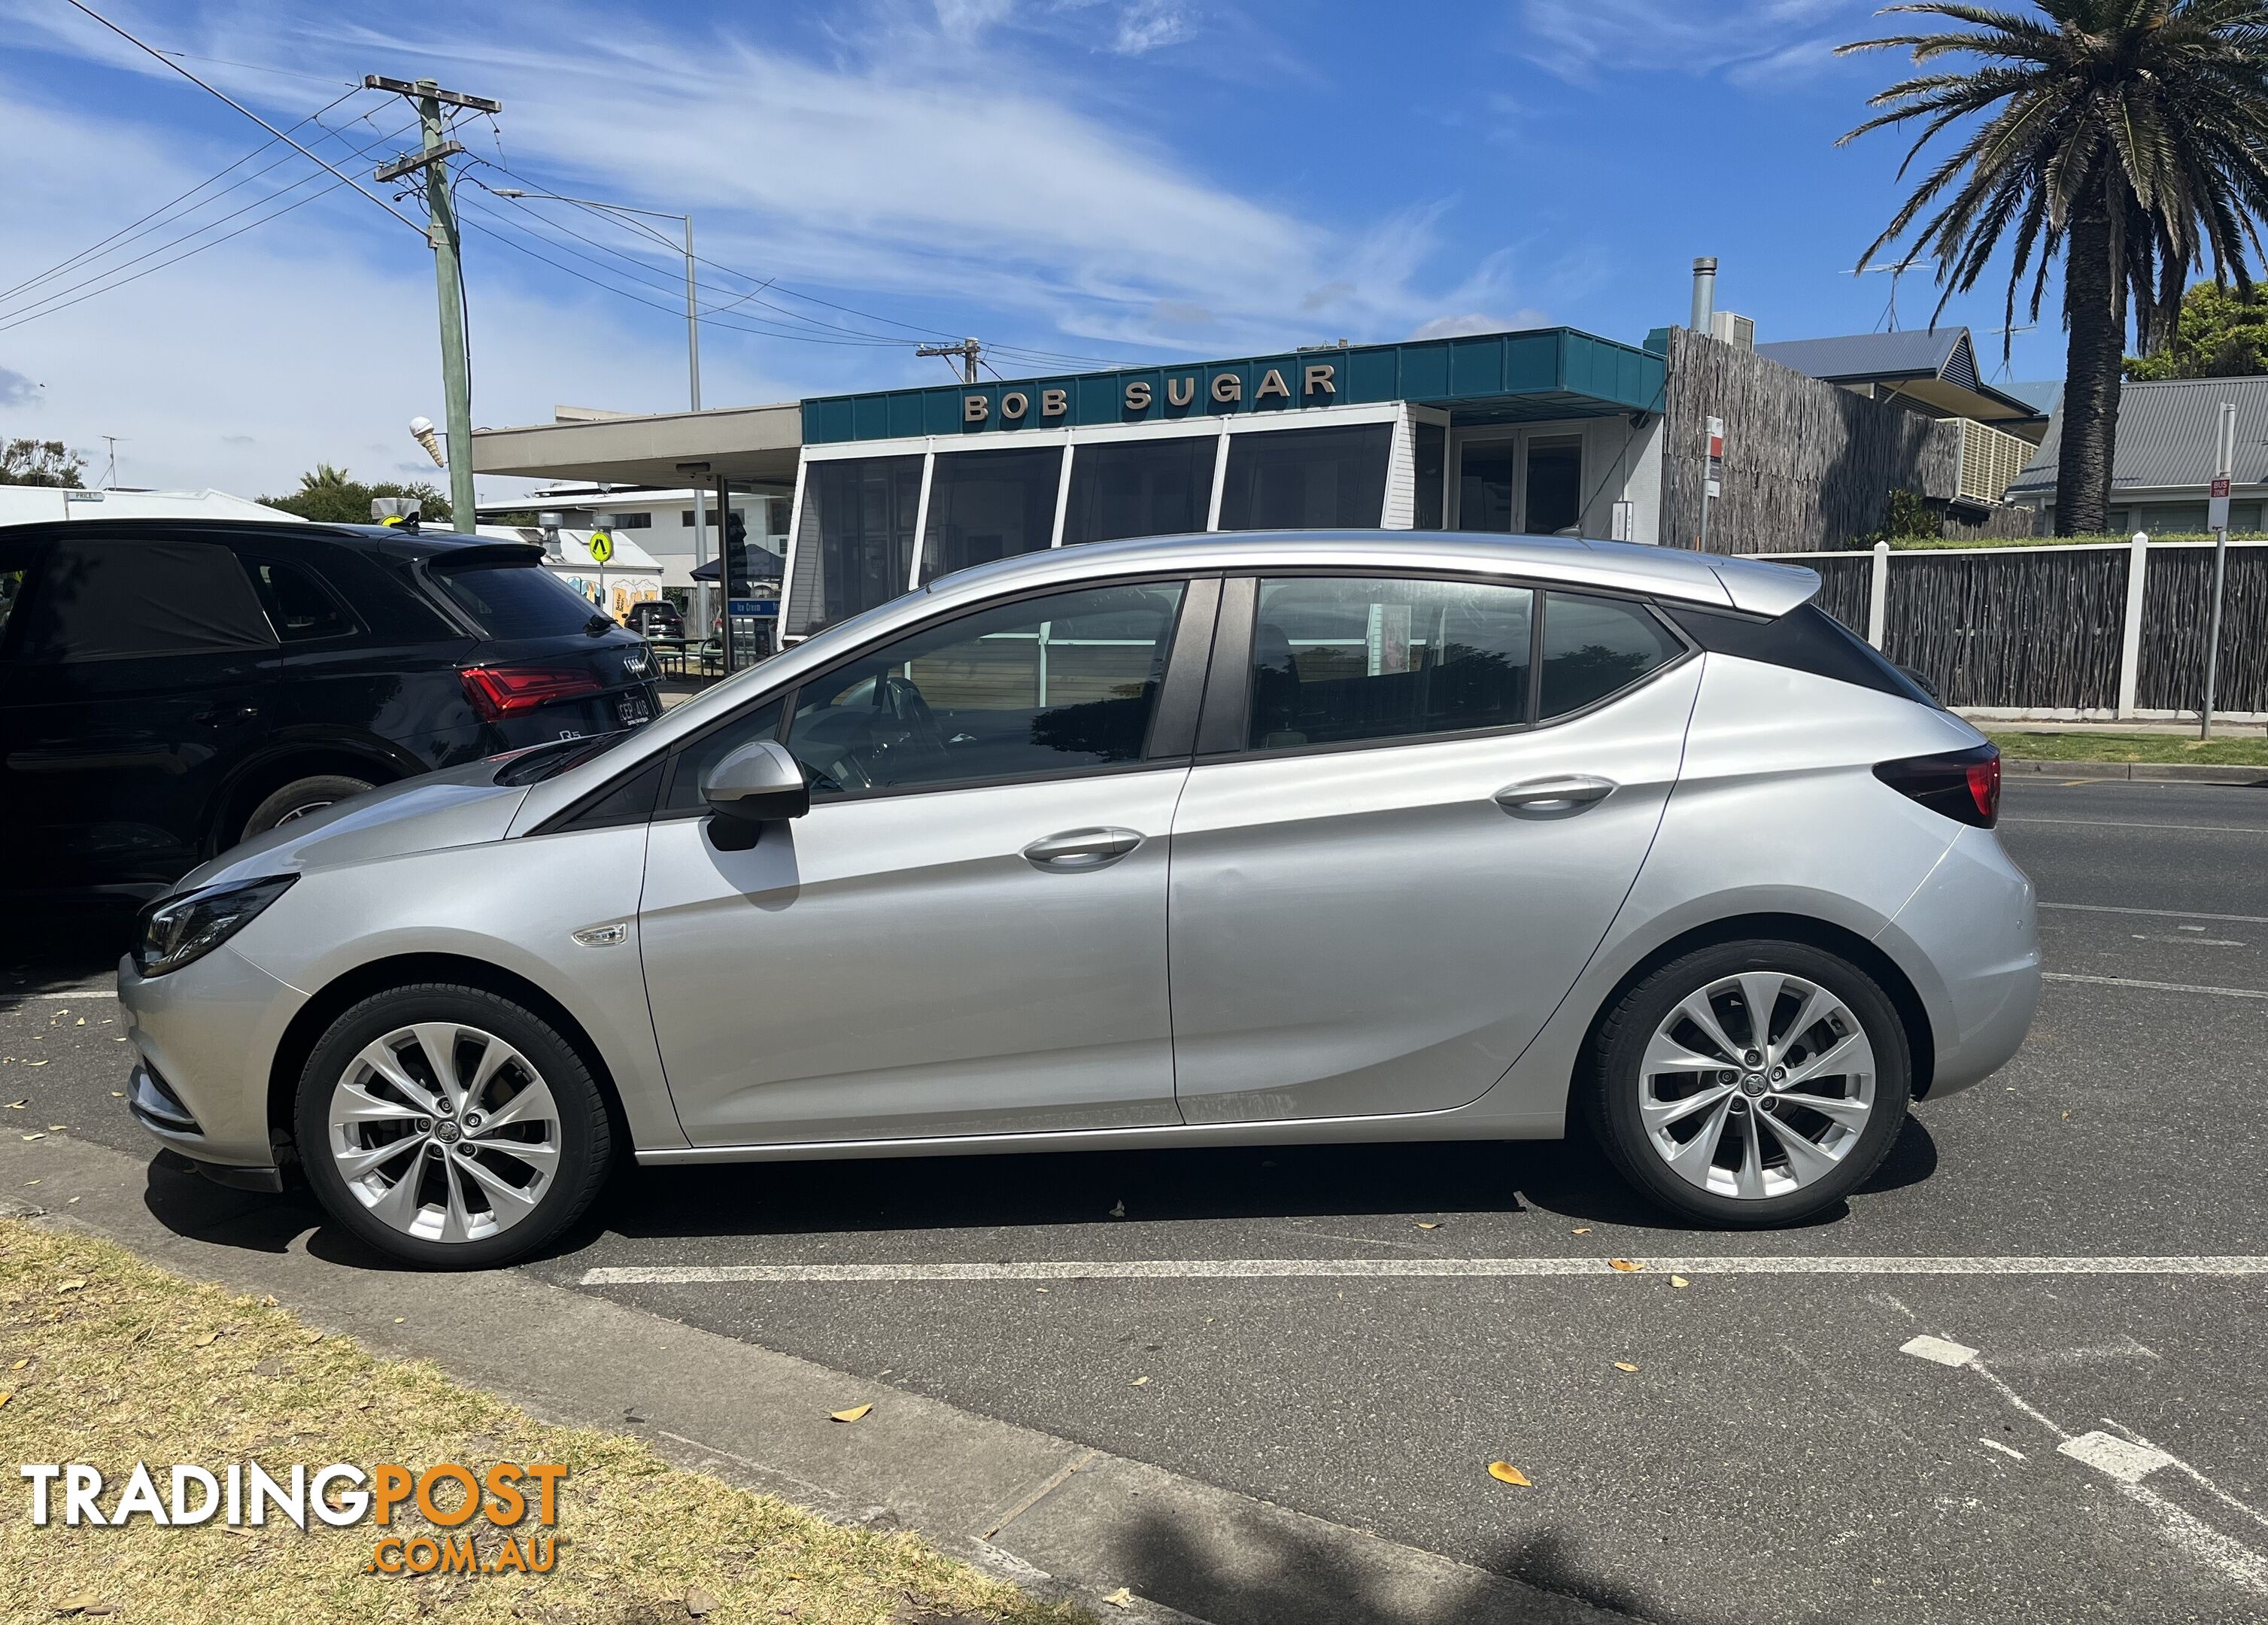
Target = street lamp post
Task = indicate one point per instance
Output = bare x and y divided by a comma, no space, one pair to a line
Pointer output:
692,365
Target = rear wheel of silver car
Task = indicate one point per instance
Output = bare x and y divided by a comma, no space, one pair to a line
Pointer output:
1751,1083
451,1127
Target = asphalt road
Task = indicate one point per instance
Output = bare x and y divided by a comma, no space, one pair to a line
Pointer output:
1776,1454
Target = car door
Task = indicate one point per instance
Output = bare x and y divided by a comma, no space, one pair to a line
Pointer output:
143,674
1398,848
966,934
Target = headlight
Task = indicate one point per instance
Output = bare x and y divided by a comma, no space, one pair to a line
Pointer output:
177,930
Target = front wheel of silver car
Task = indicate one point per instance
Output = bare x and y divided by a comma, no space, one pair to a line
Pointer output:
450,1126
1751,1083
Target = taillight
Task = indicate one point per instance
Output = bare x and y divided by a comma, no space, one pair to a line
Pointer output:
1964,785
499,692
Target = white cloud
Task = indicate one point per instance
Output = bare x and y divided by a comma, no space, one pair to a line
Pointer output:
1476,321
16,390
1147,25
1750,41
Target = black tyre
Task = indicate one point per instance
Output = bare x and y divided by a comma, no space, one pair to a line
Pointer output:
1739,1123
297,799
451,1127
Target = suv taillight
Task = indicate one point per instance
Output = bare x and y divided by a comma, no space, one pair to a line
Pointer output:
499,692
1963,784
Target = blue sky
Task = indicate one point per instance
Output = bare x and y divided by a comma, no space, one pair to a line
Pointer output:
1123,180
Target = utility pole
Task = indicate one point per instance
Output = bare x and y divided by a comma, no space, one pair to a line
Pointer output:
968,349
448,272
2217,508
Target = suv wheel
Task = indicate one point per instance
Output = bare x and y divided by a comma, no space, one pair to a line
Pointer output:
450,1126
299,798
1751,1083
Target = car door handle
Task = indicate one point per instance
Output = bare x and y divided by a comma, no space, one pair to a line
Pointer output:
1565,794
1082,849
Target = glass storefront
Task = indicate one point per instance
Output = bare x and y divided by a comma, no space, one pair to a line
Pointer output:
988,504
855,548
1289,479
1140,488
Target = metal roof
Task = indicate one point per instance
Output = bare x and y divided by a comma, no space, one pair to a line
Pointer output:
2168,434
1918,352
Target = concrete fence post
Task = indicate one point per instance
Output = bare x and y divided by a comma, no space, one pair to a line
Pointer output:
2130,644
1878,596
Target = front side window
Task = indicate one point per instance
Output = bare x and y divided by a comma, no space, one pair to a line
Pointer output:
990,504
1063,684
1293,479
112,599
1338,660
1596,646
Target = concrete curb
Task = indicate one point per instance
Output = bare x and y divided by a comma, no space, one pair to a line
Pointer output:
1053,1516
2148,773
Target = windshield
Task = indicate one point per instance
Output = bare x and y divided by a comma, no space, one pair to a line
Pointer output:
516,600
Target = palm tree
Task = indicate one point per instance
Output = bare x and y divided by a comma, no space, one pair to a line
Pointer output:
2130,138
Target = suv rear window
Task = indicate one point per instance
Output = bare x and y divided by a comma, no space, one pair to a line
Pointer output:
515,600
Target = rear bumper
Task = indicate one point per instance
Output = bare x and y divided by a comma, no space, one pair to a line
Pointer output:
1968,938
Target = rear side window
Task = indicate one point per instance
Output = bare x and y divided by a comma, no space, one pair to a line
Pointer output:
1596,646
1806,638
1338,660
515,600
113,600
17,561
298,606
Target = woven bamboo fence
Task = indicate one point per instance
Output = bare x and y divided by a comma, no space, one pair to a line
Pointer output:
1807,465
1846,587
2178,609
2030,628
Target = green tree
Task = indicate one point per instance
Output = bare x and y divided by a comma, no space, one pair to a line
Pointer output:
2126,138
42,462
332,496
2220,333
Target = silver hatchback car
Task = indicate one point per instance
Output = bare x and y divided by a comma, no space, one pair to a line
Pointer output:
1195,841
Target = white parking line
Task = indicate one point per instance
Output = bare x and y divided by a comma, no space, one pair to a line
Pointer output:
102,990
2156,913
1942,1350
2128,981
1293,1269
2122,1458
2118,824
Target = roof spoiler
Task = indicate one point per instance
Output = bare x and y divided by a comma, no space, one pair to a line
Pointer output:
1760,587
486,553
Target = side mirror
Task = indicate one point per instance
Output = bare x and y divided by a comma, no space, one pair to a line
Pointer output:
757,784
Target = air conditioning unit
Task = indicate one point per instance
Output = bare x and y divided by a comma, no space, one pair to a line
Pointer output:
1728,329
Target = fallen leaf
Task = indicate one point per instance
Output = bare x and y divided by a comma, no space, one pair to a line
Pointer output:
20,1365
1424,1225
1625,1365
1118,1208
1138,1381
852,1414
268,1301
1504,1472
79,1604
81,1021
18,1105
1582,1230
206,1342
36,1136
315,1337
4,1398
698,1602
72,1285
56,1128
1679,1282
1123,1598
35,1063
1624,1265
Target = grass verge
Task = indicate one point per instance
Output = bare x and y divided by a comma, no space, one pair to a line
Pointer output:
109,1360
2090,746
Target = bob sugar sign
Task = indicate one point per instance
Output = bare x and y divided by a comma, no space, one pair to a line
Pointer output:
1253,386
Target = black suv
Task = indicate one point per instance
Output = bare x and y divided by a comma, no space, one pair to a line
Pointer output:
169,687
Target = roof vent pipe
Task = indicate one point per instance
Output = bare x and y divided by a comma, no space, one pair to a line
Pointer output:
1705,294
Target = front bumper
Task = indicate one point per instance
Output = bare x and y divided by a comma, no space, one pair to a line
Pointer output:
203,1039
1968,938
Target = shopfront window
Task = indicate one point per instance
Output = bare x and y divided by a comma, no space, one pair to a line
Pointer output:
1062,683
990,504
1484,485
1340,661
856,547
1294,479
1140,488
1554,486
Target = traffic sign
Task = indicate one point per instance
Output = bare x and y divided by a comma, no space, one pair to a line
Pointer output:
602,547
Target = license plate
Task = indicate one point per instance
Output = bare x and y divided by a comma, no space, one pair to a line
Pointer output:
632,710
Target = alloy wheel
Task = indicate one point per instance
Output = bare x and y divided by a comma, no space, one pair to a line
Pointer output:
1756,1084
445,1132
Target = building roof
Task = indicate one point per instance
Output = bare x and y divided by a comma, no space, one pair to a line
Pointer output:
1936,367
2167,438
743,444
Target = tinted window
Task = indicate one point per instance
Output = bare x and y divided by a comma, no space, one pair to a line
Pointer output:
1140,488
515,600
1806,638
17,561
1045,686
693,761
107,599
984,506
1594,646
1293,479
1335,660
297,606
